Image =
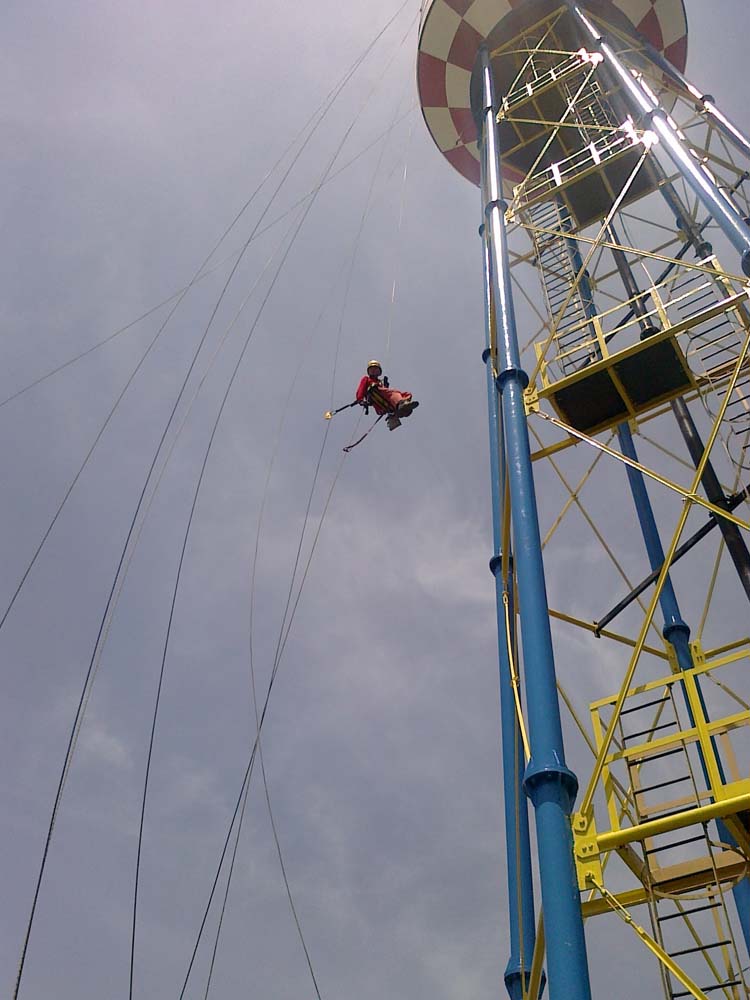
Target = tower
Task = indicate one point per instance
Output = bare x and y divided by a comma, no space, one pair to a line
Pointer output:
616,252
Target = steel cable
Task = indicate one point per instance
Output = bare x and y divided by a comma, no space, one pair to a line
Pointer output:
305,213
83,699
282,637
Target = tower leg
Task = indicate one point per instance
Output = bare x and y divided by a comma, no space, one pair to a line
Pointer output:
727,128
521,914
733,539
644,105
549,783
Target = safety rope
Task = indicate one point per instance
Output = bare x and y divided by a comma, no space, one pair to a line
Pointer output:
359,440
514,679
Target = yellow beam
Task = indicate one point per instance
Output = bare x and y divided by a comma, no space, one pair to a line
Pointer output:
711,654
588,797
590,627
650,943
554,448
670,332
699,874
690,817
706,667
537,962
691,495
597,906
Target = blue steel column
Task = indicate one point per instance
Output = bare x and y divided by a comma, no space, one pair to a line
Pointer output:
550,785
727,128
517,846
645,106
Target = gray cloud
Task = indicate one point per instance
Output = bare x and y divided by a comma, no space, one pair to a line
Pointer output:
134,134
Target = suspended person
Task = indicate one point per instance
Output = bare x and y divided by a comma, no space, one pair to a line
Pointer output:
374,390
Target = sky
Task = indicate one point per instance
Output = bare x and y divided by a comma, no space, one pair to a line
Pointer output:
134,134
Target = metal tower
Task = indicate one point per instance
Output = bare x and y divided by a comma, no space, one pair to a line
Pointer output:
616,251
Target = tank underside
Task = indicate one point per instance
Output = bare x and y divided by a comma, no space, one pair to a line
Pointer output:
454,30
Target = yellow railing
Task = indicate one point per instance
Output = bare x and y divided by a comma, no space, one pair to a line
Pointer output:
719,790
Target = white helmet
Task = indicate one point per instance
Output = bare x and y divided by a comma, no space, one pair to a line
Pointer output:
374,364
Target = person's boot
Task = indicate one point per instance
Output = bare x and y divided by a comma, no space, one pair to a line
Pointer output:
392,421
406,406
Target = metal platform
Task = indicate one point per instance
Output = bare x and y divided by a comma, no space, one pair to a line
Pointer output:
608,387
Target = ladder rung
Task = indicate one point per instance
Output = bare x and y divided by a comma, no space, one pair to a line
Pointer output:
646,704
691,279
704,330
572,332
705,292
719,342
672,812
657,756
687,913
573,321
720,349
710,989
677,843
646,732
729,342
699,947
662,784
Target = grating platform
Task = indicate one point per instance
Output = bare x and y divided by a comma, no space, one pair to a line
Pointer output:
623,385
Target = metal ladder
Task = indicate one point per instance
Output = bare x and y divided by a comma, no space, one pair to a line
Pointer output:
575,340
696,931
575,337
713,348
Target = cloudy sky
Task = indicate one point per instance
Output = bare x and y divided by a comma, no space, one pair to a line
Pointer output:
134,134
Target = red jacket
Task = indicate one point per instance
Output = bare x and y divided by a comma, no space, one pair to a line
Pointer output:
385,399
364,385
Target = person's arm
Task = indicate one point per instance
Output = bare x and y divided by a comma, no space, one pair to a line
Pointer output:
364,384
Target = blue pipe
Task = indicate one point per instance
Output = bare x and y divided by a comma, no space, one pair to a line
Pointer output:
727,128
548,782
517,844
646,107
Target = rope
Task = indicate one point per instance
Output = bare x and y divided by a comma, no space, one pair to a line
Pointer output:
514,679
259,720
283,638
83,701
251,762
367,202
359,440
84,698
225,397
207,272
147,507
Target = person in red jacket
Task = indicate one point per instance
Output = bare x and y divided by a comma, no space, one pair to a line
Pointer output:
374,390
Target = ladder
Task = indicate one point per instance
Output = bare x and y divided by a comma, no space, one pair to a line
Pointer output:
713,349
575,338
693,927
